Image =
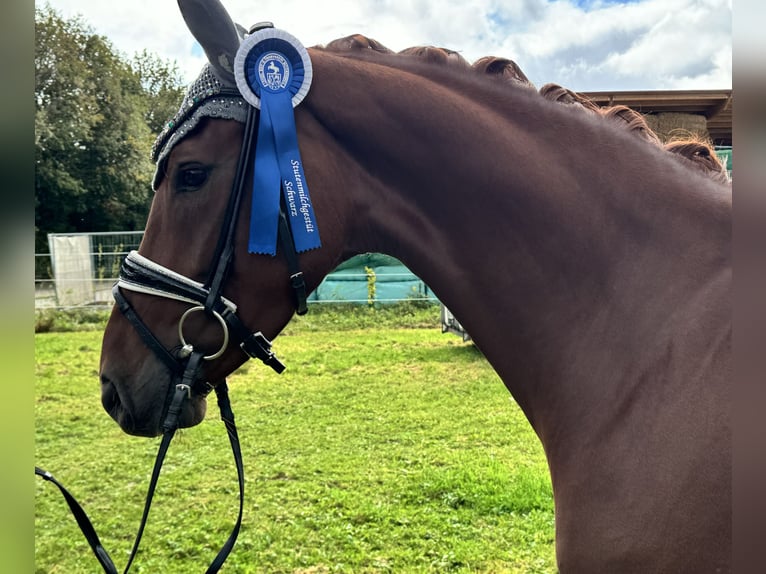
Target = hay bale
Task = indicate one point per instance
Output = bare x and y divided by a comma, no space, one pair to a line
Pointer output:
673,125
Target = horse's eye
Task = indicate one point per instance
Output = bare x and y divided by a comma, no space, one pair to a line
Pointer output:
191,178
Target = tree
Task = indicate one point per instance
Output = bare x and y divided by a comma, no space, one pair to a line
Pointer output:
96,118
161,87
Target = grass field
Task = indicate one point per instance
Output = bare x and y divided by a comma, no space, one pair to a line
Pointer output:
386,446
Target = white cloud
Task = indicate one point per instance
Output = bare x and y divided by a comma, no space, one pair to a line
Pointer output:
685,45
584,45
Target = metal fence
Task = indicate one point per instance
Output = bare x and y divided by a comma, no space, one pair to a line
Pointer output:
81,268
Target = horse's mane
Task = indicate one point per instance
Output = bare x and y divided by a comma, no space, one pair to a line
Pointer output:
701,155
562,95
631,120
356,43
693,152
438,56
502,68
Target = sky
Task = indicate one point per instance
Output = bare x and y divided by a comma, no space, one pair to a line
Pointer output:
584,45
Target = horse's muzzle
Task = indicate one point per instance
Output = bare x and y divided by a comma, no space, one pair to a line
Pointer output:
146,420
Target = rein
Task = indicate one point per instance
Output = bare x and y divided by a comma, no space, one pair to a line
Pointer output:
140,274
227,416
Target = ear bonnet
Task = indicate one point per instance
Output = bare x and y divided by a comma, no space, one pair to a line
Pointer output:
206,97
214,94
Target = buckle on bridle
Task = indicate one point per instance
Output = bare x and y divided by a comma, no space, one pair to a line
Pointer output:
185,351
298,284
257,346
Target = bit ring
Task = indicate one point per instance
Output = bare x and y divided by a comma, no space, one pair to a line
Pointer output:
220,320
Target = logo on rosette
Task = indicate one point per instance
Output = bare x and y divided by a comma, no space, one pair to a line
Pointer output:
274,71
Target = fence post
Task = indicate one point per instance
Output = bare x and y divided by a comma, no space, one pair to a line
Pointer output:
370,272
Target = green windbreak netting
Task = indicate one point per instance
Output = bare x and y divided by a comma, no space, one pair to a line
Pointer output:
371,277
724,154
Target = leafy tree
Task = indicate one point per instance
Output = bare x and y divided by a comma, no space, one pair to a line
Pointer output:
96,118
161,87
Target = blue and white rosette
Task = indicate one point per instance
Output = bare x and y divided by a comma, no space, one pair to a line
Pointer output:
273,73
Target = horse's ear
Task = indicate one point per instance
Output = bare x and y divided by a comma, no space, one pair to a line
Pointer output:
213,28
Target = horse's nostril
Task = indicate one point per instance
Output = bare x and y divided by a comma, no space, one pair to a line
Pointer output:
110,398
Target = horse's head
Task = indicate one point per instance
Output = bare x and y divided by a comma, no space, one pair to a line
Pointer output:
193,223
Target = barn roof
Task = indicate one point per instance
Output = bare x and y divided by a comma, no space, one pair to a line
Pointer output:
714,105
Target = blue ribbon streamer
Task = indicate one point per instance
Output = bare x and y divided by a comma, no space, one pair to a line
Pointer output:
278,164
264,212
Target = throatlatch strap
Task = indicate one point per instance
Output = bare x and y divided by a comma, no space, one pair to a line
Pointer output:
297,282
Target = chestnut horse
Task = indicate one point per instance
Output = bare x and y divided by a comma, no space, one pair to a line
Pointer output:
591,269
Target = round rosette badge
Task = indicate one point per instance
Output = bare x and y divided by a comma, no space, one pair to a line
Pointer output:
272,61
273,73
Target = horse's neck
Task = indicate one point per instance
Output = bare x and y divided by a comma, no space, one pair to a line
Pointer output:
553,239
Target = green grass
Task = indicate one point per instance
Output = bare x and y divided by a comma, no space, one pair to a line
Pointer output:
406,314
383,449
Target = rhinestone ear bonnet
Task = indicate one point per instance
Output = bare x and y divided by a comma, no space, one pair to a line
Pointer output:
205,97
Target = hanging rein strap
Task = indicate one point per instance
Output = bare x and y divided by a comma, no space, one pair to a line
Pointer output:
170,426
84,523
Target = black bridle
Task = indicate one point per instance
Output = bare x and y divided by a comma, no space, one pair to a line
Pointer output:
143,275
184,363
